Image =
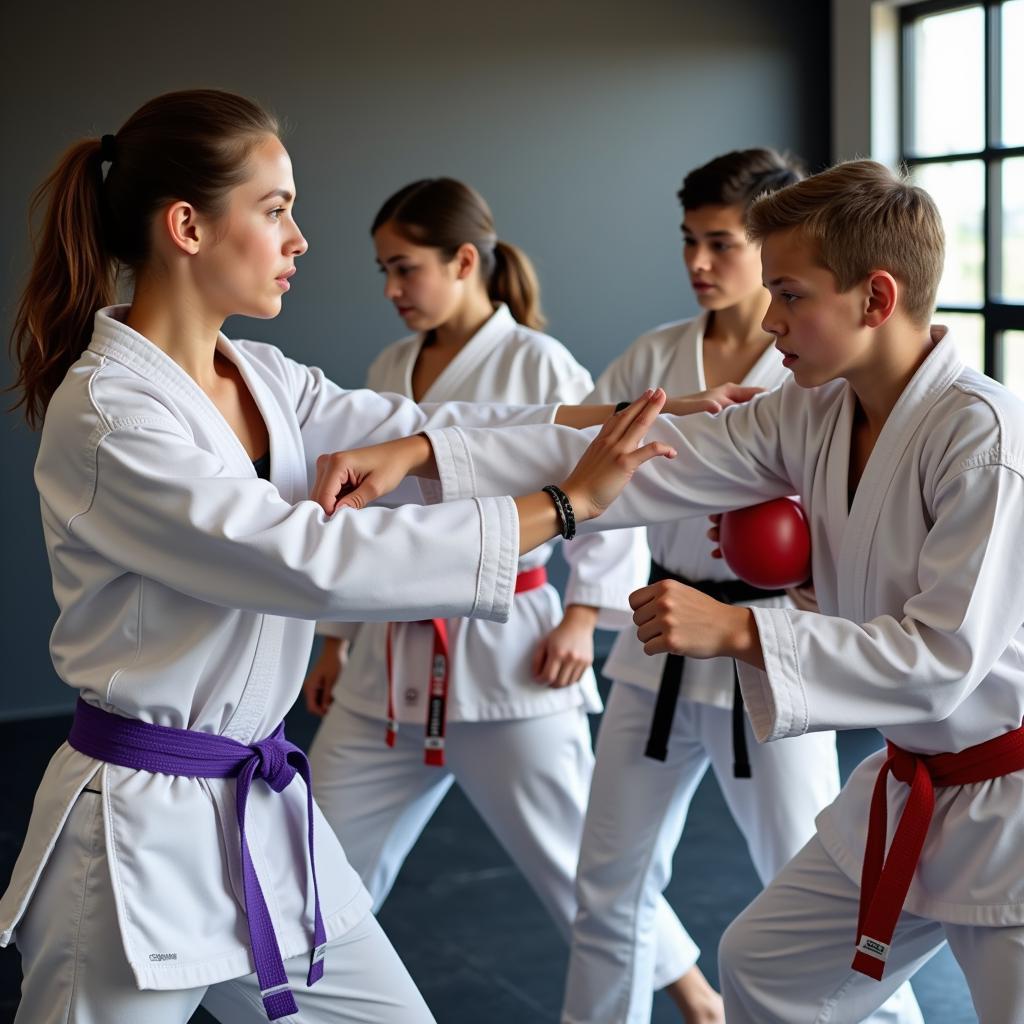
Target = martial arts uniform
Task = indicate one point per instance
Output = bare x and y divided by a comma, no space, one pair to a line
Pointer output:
520,749
921,588
638,805
187,592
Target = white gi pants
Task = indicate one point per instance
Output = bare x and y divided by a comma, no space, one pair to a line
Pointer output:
527,778
637,811
75,971
787,956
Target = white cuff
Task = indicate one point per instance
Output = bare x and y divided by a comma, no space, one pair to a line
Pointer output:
454,464
499,558
612,604
775,698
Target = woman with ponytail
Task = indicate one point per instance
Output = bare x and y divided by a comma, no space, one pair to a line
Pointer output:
500,708
172,857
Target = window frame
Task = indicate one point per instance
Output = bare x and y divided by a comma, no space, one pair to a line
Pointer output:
998,315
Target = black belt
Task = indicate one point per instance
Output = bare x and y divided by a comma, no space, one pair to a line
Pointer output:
729,592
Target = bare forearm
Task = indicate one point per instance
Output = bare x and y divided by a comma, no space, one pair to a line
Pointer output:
584,615
582,416
421,458
538,520
742,640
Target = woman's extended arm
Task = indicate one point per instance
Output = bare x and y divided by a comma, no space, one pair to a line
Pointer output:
355,478
352,479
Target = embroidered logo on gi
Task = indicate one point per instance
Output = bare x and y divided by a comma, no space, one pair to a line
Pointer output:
873,947
158,957
412,695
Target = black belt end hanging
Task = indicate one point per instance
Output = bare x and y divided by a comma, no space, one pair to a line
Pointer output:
665,709
729,592
740,757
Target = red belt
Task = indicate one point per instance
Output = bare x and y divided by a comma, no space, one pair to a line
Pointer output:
885,880
437,695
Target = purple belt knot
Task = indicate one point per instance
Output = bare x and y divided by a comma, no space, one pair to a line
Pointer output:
273,766
157,748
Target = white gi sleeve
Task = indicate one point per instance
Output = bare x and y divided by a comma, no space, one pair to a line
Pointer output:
332,419
605,568
730,460
824,672
165,509
617,383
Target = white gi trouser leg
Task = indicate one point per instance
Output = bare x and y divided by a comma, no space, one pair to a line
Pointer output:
378,799
637,811
787,956
633,822
527,778
75,971
793,780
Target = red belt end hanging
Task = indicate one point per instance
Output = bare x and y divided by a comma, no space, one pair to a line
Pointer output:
433,751
870,958
391,736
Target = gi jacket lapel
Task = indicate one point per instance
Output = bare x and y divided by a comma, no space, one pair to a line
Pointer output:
686,363
287,458
115,340
467,360
894,444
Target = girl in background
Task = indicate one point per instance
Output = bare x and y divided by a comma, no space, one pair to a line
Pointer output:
505,712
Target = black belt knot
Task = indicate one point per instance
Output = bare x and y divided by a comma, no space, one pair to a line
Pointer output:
728,592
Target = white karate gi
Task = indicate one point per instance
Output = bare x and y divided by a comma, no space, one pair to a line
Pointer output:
638,806
520,750
921,589
187,590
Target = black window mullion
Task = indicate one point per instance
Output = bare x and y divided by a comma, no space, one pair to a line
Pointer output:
994,73
952,307
912,12
907,99
997,315
1006,316
988,153
990,270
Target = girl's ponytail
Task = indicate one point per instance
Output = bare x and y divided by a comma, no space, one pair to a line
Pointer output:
72,276
514,282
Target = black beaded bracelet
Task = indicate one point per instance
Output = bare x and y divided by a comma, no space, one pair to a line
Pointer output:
622,405
566,516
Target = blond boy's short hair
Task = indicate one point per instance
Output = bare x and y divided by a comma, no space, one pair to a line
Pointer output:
863,217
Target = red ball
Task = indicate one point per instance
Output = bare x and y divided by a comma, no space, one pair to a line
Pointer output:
768,545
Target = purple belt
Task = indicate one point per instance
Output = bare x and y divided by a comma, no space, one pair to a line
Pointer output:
157,748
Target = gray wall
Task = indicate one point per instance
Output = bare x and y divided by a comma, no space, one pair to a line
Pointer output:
575,119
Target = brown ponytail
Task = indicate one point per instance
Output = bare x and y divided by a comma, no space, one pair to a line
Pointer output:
444,213
514,282
72,277
190,146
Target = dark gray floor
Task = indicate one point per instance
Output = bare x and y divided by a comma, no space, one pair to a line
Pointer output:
469,929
